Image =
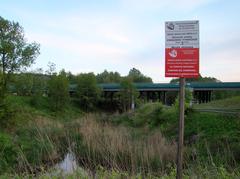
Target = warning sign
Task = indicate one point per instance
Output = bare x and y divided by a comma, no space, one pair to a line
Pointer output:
182,49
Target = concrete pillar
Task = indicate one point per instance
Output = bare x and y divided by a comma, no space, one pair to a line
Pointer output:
200,97
148,96
207,100
111,96
206,96
159,96
132,103
164,97
210,96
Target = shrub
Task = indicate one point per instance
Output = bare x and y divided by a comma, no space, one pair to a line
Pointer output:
8,153
6,112
188,100
58,92
24,84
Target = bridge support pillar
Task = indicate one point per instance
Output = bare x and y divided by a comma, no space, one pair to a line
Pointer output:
207,96
132,103
164,97
204,96
148,96
210,96
159,96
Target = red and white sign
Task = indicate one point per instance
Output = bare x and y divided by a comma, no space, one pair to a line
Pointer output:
182,49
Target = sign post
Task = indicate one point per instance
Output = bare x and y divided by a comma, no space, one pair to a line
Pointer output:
180,129
181,60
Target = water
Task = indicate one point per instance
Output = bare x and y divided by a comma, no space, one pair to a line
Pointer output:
68,164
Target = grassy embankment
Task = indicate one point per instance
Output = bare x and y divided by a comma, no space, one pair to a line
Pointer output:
130,144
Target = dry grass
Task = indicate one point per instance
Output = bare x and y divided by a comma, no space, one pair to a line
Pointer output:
95,143
119,148
42,122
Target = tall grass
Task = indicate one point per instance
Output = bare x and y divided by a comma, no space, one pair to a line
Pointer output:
106,150
34,147
120,148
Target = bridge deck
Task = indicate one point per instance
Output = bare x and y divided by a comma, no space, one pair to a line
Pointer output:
196,86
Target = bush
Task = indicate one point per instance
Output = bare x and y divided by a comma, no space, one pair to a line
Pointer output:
8,153
6,112
149,114
187,102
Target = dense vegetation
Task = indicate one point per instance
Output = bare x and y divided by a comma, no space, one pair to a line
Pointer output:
139,143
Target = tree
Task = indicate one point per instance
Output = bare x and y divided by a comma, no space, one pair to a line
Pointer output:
127,94
108,77
137,77
15,53
58,91
51,68
24,84
199,79
88,92
39,87
71,78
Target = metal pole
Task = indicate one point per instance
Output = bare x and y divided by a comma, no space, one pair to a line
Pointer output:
181,129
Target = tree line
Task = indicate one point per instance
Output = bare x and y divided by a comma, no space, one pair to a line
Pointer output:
55,85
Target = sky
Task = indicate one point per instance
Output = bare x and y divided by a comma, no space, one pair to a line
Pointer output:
90,36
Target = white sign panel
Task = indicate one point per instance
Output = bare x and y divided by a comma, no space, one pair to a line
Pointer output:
182,34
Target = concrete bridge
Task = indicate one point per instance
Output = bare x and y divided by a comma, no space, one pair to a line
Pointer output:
202,92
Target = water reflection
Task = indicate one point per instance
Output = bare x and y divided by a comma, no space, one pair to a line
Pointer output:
69,164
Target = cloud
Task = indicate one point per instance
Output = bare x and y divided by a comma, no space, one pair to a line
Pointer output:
171,5
221,64
65,44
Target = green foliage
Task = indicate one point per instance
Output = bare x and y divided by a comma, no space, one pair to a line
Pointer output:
108,77
6,112
15,52
24,84
39,88
51,69
127,94
217,146
34,145
188,100
229,103
151,115
88,93
199,79
206,172
217,95
137,77
8,152
58,92
114,77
